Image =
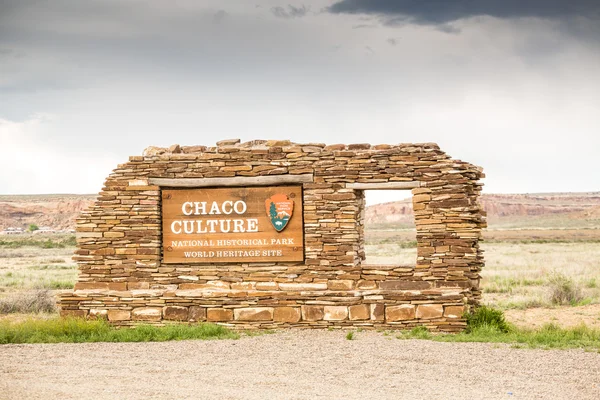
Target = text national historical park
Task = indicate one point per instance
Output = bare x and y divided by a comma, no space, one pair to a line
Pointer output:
269,234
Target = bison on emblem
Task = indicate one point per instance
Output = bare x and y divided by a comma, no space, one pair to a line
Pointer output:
279,210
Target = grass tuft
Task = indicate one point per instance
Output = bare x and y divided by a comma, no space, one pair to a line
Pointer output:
563,290
419,332
350,335
76,330
484,317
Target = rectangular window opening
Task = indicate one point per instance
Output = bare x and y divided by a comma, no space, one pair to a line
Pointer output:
390,232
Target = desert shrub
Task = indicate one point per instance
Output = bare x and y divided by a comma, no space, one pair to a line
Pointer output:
350,335
487,318
563,290
33,301
33,227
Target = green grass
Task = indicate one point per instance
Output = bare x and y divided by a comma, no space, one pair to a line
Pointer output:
74,330
350,335
488,325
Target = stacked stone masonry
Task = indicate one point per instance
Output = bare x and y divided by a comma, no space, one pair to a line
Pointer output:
123,279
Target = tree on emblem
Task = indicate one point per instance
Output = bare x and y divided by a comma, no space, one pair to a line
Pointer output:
279,210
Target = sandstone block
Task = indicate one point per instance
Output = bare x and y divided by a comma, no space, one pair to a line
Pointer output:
119,315
113,234
118,286
138,182
377,312
104,252
253,314
402,312
153,151
98,313
359,146
138,285
267,286
175,313
404,285
243,286
312,313
197,313
193,149
335,147
335,313
340,284
339,196
90,285
429,311
219,314
82,235
358,312
302,286
273,143
228,142
454,311
420,198
146,314
366,285
287,314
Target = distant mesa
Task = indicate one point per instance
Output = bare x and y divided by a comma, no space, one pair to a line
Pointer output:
58,212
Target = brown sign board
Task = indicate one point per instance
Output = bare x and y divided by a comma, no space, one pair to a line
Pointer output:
241,224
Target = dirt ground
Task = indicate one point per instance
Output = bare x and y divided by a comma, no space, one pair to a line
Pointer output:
296,365
566,317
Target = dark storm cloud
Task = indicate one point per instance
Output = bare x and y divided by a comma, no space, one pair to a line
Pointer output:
290,12
441,12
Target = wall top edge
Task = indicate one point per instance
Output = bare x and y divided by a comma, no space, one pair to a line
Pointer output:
233,145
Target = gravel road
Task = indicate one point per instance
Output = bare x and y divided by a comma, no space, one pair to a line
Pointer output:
296,365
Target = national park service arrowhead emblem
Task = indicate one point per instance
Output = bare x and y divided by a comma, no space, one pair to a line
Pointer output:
279,210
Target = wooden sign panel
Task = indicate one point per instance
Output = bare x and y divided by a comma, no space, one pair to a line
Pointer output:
255,224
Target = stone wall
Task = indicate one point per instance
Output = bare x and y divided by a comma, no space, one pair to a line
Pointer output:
119,242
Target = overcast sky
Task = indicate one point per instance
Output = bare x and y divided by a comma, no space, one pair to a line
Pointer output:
512,85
